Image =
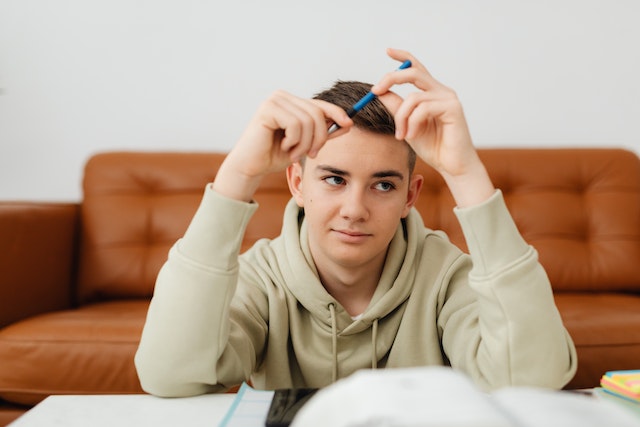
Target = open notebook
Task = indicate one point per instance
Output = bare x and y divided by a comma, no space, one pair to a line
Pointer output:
442,397
433,396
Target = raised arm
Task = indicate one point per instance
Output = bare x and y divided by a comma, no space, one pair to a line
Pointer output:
189,344
510,331
432,121
284,129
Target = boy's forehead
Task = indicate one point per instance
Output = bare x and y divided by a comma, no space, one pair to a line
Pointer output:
360,149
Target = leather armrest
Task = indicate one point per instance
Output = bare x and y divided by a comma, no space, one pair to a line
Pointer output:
38,246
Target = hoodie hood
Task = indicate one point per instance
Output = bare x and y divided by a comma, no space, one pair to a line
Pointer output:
393,288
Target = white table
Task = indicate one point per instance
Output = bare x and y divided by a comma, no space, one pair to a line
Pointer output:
209,410
127,410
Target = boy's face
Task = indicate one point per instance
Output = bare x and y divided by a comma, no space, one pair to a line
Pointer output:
354,194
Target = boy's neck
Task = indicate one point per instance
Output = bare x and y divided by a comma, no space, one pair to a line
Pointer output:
352,289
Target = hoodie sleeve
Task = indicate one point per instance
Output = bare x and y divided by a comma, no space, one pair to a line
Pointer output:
511,332
184,349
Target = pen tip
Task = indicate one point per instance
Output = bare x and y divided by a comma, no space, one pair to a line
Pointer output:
334,127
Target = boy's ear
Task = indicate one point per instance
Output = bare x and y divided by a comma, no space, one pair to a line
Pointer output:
294,179
415,185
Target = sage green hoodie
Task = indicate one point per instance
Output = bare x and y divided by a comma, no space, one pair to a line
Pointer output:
218,318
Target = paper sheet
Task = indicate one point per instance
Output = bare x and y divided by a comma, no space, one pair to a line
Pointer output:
249,409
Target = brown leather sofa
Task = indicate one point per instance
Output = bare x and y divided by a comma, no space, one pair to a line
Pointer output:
75,279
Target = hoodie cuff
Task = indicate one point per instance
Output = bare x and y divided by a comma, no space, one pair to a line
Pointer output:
215,233
492,236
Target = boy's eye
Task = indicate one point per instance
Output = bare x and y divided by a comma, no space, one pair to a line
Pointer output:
385,186
334,180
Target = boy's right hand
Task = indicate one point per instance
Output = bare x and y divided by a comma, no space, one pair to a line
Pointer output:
284,130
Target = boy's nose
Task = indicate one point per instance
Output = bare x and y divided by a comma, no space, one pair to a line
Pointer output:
354,206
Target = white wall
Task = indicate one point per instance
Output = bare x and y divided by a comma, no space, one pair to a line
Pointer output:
81,76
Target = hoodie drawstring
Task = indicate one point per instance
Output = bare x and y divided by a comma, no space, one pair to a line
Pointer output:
334,340
374,339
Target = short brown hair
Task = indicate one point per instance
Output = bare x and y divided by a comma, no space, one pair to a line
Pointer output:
374,117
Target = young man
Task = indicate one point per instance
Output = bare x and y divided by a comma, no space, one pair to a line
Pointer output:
355,280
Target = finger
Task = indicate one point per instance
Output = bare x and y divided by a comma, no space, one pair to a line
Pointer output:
301,139
423,116
415,108
421,79
428,116
316,116
403,55
288,119
332,114
313,124
324,114
304,123
417,74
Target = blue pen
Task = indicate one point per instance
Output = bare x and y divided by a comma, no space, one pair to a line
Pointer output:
364,101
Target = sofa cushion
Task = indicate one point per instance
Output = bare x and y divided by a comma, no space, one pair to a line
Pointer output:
578,207
604,328
88,350
135,207
38,246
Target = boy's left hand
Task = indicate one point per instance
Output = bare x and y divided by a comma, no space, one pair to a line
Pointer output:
432,121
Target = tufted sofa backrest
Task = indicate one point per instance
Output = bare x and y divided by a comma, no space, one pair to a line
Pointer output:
580,208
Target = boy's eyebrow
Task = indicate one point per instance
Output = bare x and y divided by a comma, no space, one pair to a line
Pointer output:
331,169
391,173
